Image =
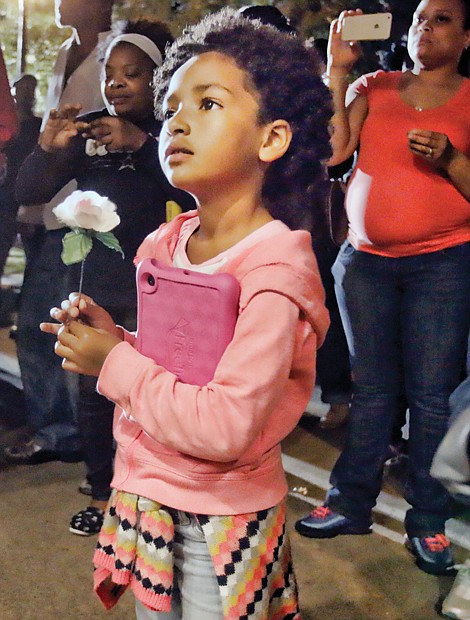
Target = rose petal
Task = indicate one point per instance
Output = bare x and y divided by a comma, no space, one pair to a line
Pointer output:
88,210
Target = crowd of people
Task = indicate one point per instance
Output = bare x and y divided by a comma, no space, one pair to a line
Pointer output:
215,168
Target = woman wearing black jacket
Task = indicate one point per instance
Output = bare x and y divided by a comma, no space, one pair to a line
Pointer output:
113,152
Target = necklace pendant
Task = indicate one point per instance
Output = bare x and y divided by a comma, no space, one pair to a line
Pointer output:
418,108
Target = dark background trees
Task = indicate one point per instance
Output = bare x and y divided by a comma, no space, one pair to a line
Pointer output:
310,17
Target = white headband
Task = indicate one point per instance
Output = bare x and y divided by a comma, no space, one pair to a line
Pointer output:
140,41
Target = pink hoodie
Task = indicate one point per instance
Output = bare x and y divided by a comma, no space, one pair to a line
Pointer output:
216,449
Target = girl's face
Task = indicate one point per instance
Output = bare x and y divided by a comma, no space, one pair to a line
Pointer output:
211,135
437,36
127,85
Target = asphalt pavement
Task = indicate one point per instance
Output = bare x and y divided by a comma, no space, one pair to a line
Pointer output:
46,572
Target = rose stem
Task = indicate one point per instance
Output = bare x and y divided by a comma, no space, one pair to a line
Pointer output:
82,269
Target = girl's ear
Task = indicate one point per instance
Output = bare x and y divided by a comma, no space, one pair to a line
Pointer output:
277,138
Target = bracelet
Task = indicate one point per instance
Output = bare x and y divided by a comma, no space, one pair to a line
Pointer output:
334,77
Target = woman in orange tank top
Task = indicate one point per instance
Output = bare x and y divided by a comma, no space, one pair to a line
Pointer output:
403,275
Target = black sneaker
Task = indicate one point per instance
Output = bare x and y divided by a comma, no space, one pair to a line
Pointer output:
326,523
29,453
433,553
87,522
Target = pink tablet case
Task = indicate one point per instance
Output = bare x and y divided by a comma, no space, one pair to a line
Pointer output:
186,319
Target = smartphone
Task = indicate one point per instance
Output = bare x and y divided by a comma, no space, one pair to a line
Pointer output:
369,27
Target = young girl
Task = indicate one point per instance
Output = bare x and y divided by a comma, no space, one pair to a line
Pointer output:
196,523
115,153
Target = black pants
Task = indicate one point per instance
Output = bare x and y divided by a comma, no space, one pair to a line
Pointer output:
95,421
333,368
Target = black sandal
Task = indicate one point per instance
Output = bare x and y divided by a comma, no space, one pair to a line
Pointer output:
87,522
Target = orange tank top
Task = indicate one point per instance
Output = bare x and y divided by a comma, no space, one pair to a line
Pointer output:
397,203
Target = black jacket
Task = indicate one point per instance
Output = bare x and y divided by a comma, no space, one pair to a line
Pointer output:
133,181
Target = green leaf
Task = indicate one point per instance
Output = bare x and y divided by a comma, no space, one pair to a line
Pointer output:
76,247
110,241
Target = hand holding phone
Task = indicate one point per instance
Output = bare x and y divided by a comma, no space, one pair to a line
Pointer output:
342,55
368,27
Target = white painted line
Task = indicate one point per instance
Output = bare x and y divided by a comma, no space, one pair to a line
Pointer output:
315,406
388,533
387,504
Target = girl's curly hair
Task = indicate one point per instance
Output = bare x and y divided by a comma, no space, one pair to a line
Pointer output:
287,77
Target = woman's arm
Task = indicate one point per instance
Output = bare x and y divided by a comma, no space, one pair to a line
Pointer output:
350,110
56,159
438,151
458,171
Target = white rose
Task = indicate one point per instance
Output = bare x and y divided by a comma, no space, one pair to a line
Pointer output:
88,210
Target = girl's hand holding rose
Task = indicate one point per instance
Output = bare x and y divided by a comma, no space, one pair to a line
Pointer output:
83,348
86,333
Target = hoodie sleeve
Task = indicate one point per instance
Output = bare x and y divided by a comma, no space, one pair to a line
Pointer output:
274,345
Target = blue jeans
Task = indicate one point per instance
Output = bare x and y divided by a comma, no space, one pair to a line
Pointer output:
49,392
406,317
196,589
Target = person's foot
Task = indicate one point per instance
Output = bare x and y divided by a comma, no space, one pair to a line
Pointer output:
326,523
397,454
337,415
85,487
88,521
432,552
457,602
29,453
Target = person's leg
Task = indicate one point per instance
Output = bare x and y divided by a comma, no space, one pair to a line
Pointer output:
144,613
436,321
8,209
369,300
47,388
197,594
333,367
32,238
95,423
